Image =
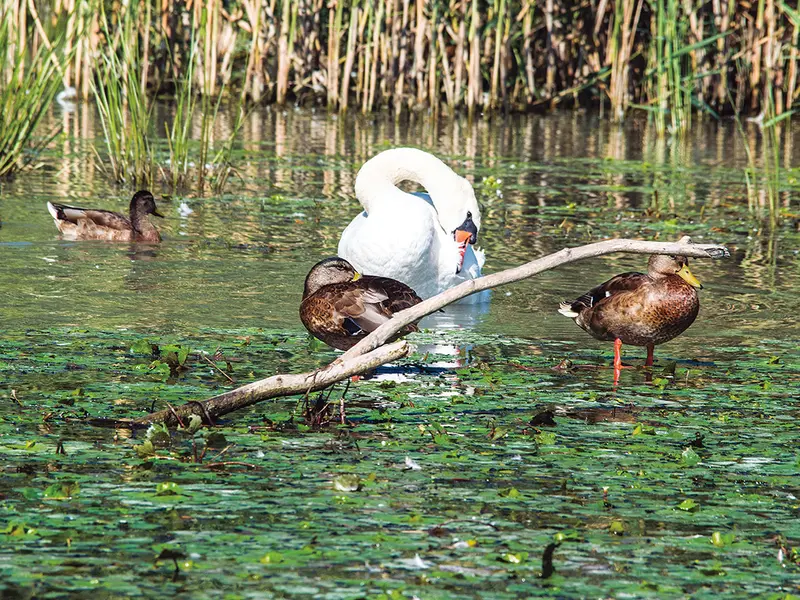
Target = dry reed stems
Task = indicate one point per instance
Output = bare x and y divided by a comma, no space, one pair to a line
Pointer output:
666,56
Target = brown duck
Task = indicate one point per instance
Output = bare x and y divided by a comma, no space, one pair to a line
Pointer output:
95,224
340,306
639,309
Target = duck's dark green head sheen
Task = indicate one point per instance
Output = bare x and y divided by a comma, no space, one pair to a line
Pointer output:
144,203
327,272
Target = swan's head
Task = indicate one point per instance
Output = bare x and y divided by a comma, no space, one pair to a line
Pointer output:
460,216
328,272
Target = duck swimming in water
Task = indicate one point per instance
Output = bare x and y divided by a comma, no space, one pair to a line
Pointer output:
96,224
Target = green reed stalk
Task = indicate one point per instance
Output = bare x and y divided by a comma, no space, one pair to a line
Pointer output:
500,7
334,42
223,161
349,56
124,110
404,53
771,153
662,89
527,50
178,136
283,53
26,92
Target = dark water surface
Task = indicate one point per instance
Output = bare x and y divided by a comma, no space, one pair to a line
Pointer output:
679,487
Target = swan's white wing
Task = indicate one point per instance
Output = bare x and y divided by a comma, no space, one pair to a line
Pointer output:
402,238
348,243
397,243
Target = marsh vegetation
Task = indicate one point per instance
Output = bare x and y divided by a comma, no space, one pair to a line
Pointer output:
663,56
498,458
465,462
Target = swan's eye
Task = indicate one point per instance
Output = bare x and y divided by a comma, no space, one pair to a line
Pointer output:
469,215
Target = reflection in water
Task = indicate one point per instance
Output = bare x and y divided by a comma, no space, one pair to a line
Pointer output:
141,276
142,252
458,316
553,180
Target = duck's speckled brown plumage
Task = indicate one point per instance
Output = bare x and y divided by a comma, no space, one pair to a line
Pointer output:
639,309
96,224
341,313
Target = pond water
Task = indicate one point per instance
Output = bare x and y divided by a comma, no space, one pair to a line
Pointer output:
678,487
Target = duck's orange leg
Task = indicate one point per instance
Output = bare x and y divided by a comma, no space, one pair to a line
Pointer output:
649,362
617,360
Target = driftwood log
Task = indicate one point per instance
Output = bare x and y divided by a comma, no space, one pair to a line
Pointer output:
370,352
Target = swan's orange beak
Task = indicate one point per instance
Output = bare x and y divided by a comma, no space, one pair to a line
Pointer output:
466,233
462,239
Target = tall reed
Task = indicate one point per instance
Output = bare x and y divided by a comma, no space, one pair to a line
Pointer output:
122,104
28,86
670,56
179,134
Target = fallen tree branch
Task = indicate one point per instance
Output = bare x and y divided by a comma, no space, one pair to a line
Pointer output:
683,247
277,385
370,352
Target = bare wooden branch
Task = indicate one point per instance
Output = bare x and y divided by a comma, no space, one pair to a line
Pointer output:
683,247
370,352
278,385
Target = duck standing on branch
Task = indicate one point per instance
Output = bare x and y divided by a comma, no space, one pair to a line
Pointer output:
340,306
639,309
96,224
425,240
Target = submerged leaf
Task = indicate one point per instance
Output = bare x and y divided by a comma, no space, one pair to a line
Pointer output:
62,491
169,488
689,505
720,539
514,558
271,558
617,527
689,457
145,449
347,483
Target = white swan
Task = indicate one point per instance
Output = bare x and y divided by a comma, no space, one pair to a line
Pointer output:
423,240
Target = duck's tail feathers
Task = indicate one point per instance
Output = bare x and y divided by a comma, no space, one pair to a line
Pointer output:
565,308
53,210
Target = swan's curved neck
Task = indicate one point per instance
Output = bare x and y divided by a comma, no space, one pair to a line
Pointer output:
376,182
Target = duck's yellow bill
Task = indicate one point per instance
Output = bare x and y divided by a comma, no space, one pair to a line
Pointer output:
357,276
687,276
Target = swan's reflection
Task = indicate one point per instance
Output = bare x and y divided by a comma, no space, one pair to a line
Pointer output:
447,356
459,315
453,316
